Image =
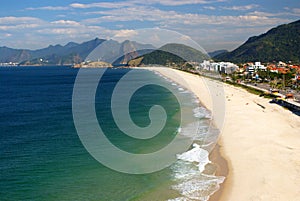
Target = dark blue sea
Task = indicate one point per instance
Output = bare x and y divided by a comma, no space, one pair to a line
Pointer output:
43,158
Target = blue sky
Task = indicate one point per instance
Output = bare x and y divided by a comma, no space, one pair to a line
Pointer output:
214,24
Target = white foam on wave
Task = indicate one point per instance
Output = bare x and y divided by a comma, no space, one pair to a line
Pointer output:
192,184
180,89
198,187
182,169
179,199
189,130
201,112
185,92
203,131
201,134
198,155
196,100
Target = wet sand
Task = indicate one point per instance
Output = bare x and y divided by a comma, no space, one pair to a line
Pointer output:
222,170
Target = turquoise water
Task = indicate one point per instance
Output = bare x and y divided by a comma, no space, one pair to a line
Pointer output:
42,157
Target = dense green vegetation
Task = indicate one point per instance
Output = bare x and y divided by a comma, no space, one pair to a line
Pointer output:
159,57
278,44
171,55
185,52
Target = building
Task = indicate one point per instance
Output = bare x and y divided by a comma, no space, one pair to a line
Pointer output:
222,67
257,66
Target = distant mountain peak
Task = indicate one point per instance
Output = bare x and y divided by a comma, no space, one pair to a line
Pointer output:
71,44
54,54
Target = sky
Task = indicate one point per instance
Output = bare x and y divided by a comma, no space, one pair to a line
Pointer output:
213,24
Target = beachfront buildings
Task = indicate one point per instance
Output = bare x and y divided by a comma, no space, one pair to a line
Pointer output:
222,67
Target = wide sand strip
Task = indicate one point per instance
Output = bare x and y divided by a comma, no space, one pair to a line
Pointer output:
260,141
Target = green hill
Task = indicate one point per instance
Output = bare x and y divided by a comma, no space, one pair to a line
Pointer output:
185,52
170,54
157,57
278,44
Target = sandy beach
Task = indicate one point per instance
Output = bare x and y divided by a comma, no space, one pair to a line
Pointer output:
259,140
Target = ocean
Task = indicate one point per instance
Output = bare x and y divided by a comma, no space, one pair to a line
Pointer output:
43,157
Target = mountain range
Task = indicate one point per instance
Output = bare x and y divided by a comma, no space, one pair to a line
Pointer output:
58,55
278,44
73,53
110,51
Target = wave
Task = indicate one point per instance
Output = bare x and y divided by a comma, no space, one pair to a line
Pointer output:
198,187
197,155
201,112
192,184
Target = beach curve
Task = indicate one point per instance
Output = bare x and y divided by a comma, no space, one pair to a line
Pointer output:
260,145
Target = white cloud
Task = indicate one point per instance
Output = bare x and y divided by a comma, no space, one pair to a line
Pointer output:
241,8
129,3
79,5
282,15
209,7
125,33
10,20
225,30
185,38
102,5
5,35
59,31
170,18
210,31
180,2
53,8
28,32
73,31
296,10
66,23
19,23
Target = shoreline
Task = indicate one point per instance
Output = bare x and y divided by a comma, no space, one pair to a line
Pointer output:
259,144
222,169
215,154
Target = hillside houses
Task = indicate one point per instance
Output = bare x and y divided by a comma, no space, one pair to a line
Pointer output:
253,68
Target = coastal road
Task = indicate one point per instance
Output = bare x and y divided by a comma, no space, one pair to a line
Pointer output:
266,86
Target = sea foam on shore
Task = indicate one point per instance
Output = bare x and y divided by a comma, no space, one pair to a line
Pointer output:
192,183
